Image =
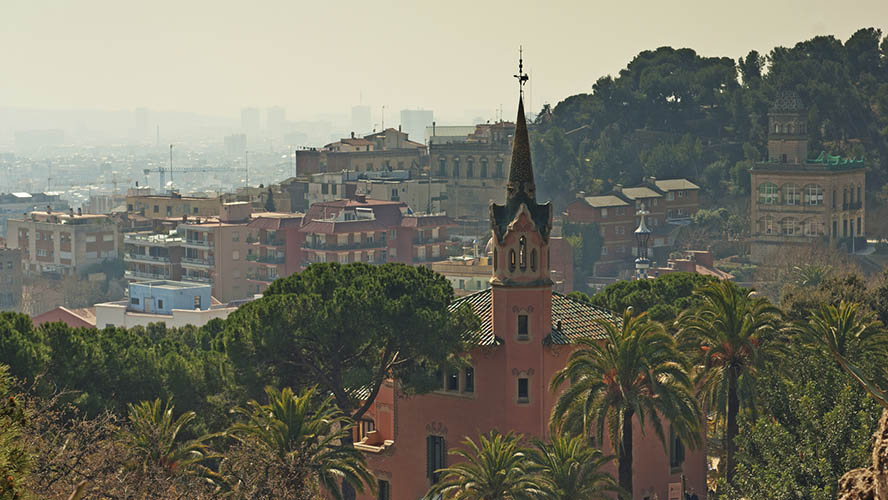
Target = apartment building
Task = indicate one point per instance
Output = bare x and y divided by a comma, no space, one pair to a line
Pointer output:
276,242
161,206
153,256
14,205
474,168
10,279
64,243
421,195
799,201
216,251
373,231
670,203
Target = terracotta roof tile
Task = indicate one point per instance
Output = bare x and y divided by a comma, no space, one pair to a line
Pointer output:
576,319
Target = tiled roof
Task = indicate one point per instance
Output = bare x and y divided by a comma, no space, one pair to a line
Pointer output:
481,303
787,100
275,221
605,200
641,192
336,227
675,184
571,319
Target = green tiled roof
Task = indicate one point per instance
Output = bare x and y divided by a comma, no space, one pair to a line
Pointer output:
828,159
571,319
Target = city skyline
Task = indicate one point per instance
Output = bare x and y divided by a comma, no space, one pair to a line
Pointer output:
215,58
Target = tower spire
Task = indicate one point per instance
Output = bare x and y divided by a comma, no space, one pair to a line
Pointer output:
521,168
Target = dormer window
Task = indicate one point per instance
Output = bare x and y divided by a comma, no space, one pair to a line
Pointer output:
522,253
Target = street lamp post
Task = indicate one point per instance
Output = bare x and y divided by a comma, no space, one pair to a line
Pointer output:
642,236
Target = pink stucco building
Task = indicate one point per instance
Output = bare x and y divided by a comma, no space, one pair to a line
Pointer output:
525,337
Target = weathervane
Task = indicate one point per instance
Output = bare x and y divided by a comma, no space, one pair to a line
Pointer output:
521,76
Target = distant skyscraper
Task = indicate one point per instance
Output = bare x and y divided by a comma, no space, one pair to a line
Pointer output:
276,119
360,119
250,120
415,121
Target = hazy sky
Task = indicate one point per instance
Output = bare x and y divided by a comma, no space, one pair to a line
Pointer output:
217,56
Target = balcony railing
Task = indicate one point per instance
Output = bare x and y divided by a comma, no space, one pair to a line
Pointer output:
261,277
345,246
201,243
146,257
199,262
145,275
270,259
428,241
198,279
277,242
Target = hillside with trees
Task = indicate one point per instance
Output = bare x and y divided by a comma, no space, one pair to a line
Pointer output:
673,112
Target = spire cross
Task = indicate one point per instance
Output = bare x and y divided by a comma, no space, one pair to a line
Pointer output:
521,76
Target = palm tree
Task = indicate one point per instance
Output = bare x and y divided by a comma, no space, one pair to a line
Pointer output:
571,469
849,336
637,371
810,275
496,468
153,435
845,331
302,435
731,335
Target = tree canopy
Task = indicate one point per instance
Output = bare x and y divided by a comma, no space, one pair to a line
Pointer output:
673,112
348,328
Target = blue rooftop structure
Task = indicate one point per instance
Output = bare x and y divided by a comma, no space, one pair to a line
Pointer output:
161,297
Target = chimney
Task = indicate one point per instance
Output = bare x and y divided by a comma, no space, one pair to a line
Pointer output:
79,211
71,212
353,134
618,188
361,198
399,127
48,209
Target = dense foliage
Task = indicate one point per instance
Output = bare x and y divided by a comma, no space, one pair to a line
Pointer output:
672,112
663,299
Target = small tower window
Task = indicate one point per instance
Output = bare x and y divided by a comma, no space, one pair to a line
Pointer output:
511,260
495,259
522,253
523,333
523,390
533,260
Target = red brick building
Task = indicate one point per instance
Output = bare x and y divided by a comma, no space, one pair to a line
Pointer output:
671,202
525,337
